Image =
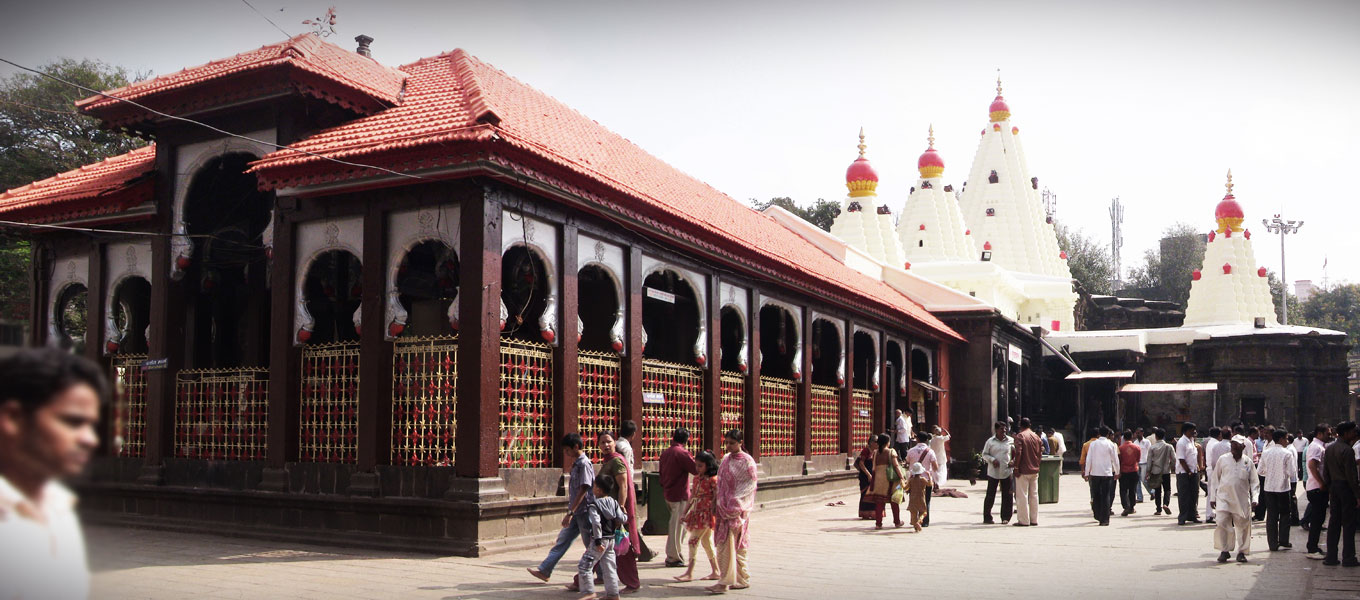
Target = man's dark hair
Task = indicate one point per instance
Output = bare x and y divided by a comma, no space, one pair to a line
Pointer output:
627,429
734,435
1280,435
681,435
1321,428
1239,429
1344,427
1048,429
709,461
1103,431
923,437
1095,432
606,485
1214,433
35,376
1188,427
1000,424
1128,434
572,440
1024,423
1159,432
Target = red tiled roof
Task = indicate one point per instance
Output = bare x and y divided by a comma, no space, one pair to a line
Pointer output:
457,106
106,187
324,64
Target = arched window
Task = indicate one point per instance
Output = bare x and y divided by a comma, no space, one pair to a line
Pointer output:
131,316
332,291
778,342
866,361
826,353
427,287
525,288
70,318
599,310
670,318
733,340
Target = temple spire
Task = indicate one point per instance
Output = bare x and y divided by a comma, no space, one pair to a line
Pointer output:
1229,185
930,137
861,142
998,82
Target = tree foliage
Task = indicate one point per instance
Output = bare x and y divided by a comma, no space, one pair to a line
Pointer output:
821,213
41,134
1089,261
1165,273
1337,308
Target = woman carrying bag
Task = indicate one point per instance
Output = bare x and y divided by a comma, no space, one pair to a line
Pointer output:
886,487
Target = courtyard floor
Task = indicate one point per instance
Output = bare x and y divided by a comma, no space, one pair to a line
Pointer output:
805,551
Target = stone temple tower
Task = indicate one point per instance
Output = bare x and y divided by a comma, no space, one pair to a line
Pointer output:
863,222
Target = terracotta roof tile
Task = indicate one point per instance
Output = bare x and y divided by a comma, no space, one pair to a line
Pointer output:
306,52
456,97
105,187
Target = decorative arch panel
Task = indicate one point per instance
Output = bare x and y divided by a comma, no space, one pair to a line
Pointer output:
592,251
839,324
122,261
797,311
739,299
69,270
189,160
314,239
406,230
540,237
876,378
699,284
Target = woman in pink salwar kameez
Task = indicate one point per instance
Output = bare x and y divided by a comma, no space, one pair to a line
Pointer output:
736,497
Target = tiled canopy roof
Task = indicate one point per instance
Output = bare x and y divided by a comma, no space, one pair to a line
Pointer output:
459,108
107,187
315,66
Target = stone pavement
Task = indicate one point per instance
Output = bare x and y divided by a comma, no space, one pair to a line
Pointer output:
804,551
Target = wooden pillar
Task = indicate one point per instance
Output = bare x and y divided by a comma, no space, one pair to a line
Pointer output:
39,275
566,367
751,419
284,371
848,410
166,340
944,375
375,352
881,409
631,403
711,436
802,438
94,337
478,449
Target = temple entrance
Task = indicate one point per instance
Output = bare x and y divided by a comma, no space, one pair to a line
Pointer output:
227,295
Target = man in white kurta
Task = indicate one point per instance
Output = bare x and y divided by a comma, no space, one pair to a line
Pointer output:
1214,448
1235,490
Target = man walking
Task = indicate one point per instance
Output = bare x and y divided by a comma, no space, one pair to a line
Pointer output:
902,433
1144,445
1161,464
1057,444
1102,463
1215,446
49,410
1129,455
1278,472
732,504
676,465
998,454
1028,452
1316,513
1235,491
1339,460
579,482
1187,475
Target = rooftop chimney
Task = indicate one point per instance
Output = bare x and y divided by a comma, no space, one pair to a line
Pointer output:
364,41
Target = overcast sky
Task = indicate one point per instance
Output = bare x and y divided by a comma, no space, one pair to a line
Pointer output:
1148,101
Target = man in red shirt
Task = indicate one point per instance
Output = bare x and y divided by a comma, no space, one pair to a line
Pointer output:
1129,454
1028,451
676,465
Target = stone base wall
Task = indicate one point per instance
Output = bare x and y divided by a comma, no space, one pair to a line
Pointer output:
398,508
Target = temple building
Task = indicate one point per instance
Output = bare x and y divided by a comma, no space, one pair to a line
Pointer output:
367,314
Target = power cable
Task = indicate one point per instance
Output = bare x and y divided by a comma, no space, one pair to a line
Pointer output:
271,22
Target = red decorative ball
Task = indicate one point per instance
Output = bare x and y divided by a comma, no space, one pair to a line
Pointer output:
1261,272
968,232
906,266
1063,255
861,170
548,335
617,346
394,329
111,346
1247,234
303,335
999,105
923,227
742,368
1228,208
1227,269
183,262
1195,275
986,245
1212,235
359,330
701,359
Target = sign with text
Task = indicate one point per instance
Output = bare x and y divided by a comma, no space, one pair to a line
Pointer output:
653,398
1015,354
660,295
155,364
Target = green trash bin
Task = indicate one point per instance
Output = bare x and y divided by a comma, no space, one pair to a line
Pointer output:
658,512
1049,468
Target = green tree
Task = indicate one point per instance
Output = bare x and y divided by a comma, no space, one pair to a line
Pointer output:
1166,270
821,213
1090,261
1337,308
41,134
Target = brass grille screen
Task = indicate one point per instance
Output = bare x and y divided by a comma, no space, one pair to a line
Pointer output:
826,420
682,391
601,387
861,416
525,404
329,411
733,400
778,402
130,413
222,413
424,400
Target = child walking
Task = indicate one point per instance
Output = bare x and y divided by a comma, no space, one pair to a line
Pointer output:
916,490
604,516
699,519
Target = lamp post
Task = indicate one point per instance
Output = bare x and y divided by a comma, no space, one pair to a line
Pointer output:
1282,227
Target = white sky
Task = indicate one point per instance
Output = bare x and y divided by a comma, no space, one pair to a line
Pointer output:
1149,101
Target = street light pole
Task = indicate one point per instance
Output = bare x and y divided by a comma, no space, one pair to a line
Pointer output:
1283,227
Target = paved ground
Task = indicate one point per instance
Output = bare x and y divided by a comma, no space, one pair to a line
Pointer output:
809,551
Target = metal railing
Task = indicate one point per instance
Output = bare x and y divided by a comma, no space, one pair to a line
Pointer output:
826,420
681,404
424,400
222,413
778,414
526,404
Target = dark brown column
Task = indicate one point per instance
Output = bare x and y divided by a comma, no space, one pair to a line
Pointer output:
566,367
94,335
479,338
751,420
38,275
631,403
711,436
375,352
168,300
802,438
944,379
880,396
847,404
284,371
